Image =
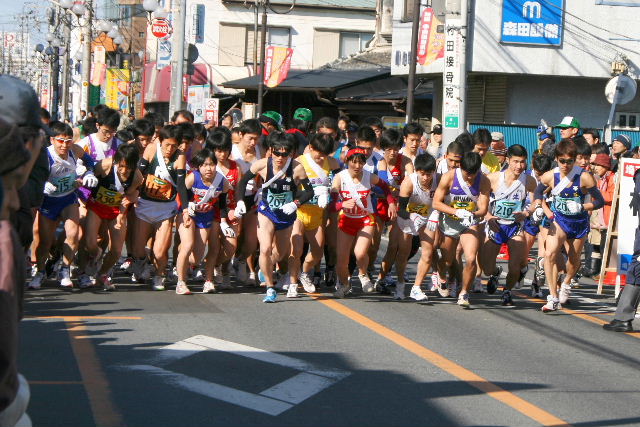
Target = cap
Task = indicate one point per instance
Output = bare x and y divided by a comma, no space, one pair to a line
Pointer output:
498,148
19,103
497,136
437,129
603,160
624,139
303,114
569,122
272,117
13,152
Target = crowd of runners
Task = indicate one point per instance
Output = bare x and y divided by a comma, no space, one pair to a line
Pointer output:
306,207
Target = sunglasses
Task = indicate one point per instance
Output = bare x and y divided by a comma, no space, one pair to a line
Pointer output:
281,153
566,161
63,140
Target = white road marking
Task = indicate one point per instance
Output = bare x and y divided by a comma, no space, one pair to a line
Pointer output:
273,401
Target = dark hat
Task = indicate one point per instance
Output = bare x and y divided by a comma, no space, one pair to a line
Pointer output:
624,139
602,160
437,129
13,152
19,103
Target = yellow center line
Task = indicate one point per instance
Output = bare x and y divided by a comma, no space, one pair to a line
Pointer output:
583,316
524,407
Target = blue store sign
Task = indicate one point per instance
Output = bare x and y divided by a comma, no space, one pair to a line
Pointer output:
532,22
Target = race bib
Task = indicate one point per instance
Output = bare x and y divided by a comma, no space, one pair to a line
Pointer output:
560,204
108,197
278,200
419,209
65,184
505,209
157,188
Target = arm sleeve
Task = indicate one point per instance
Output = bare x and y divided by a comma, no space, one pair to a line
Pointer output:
242,185
182,187
307,191
88,162
402,211
596,196
538,193
143,165
386,190
222,204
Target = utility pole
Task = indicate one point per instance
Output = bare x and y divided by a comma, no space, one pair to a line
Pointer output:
85,92
411,80
454,77
263,41
256,12
177,56
65,67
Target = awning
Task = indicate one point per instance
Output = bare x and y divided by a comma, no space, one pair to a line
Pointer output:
392,88
157,83
323,79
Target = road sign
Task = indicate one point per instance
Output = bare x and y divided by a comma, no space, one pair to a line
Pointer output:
160,28
309,380
212,110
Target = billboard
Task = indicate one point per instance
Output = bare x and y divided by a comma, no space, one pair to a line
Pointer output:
117,89
532,22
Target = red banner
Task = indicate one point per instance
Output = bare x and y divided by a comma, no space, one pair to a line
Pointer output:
430,42
276,65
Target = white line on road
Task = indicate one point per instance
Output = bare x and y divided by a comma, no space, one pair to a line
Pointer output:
299,388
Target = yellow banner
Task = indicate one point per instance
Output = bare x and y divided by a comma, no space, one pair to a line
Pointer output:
117,89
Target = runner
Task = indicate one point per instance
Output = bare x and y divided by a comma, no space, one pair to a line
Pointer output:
507,214
356,221
163,166
61,203
568,185
309,227
280,200
412,135
416,218
117,190
462,198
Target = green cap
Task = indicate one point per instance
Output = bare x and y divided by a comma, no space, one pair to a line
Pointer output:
303,114
272,117
569,122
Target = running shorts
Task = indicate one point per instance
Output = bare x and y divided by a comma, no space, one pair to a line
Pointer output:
52,207
105,212
382,210
531,228
205,219
279,219
407,226
507,231
352,226
451,227
311,216
575,227
155,212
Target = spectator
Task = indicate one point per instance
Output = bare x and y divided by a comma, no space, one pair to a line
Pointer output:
569,127
620,146
499,149
435,143
601,166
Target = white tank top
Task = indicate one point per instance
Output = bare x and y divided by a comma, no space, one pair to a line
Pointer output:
363,188
421,200
508,200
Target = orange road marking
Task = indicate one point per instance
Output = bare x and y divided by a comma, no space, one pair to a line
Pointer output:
76,318
587,317
37,382
524,407
104,411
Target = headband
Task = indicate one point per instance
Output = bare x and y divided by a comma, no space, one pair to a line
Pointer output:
356,151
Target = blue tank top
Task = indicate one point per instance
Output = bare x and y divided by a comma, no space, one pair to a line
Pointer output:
571,192
280,191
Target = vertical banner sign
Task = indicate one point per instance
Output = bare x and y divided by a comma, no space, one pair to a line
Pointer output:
196,101
117,89
532,22
627,218
430,42
277,63
451,75
44,90
212,112
164,54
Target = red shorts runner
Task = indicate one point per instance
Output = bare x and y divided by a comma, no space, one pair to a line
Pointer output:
353,225
103,211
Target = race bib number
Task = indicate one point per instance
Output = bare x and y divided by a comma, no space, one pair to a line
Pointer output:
505,209
461,204
560,204
278,200
157,188
108,197
65,184
419,209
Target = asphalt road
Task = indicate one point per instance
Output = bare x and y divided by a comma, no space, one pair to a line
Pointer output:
142,358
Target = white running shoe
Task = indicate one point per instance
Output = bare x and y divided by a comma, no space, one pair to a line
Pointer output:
36,280
463,301
208,287
367,286
417,294
292,292
341,290
552,304
565,293
399,293
443,289
84,281
251,279
435,281
182,288
127,265
105,280
65,277
477,286
307,283
158,283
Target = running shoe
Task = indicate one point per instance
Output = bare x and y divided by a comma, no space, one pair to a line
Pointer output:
36,280
307,283
506,299
182,288
172,275
208,287
575,282
226,282
341,290
399,293
251,280
477,286
417,294
330,278
382,286
65,277
317,279
33,269
536,292
552,304
84,281
442,288
261,277
241,273
52,267
158,283
539,273
127,265
367,286
565,293
292,292
492,283
105,280
463,301
435,281
523,273
270,296
199,275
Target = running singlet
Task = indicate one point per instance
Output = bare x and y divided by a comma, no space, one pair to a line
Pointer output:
396,175
95,150
232,176
508,200
349,189
421,200
571,192
107,192
280,191
200,190
245,165
461,196
158,189
318,175
62,173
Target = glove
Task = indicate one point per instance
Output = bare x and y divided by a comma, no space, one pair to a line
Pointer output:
89,180
289,208
418,220
80,169
463,213
538,215
574,207
322,192
227,230
191,208
467,221
241,209
251,185
323,200
49,188
434,218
